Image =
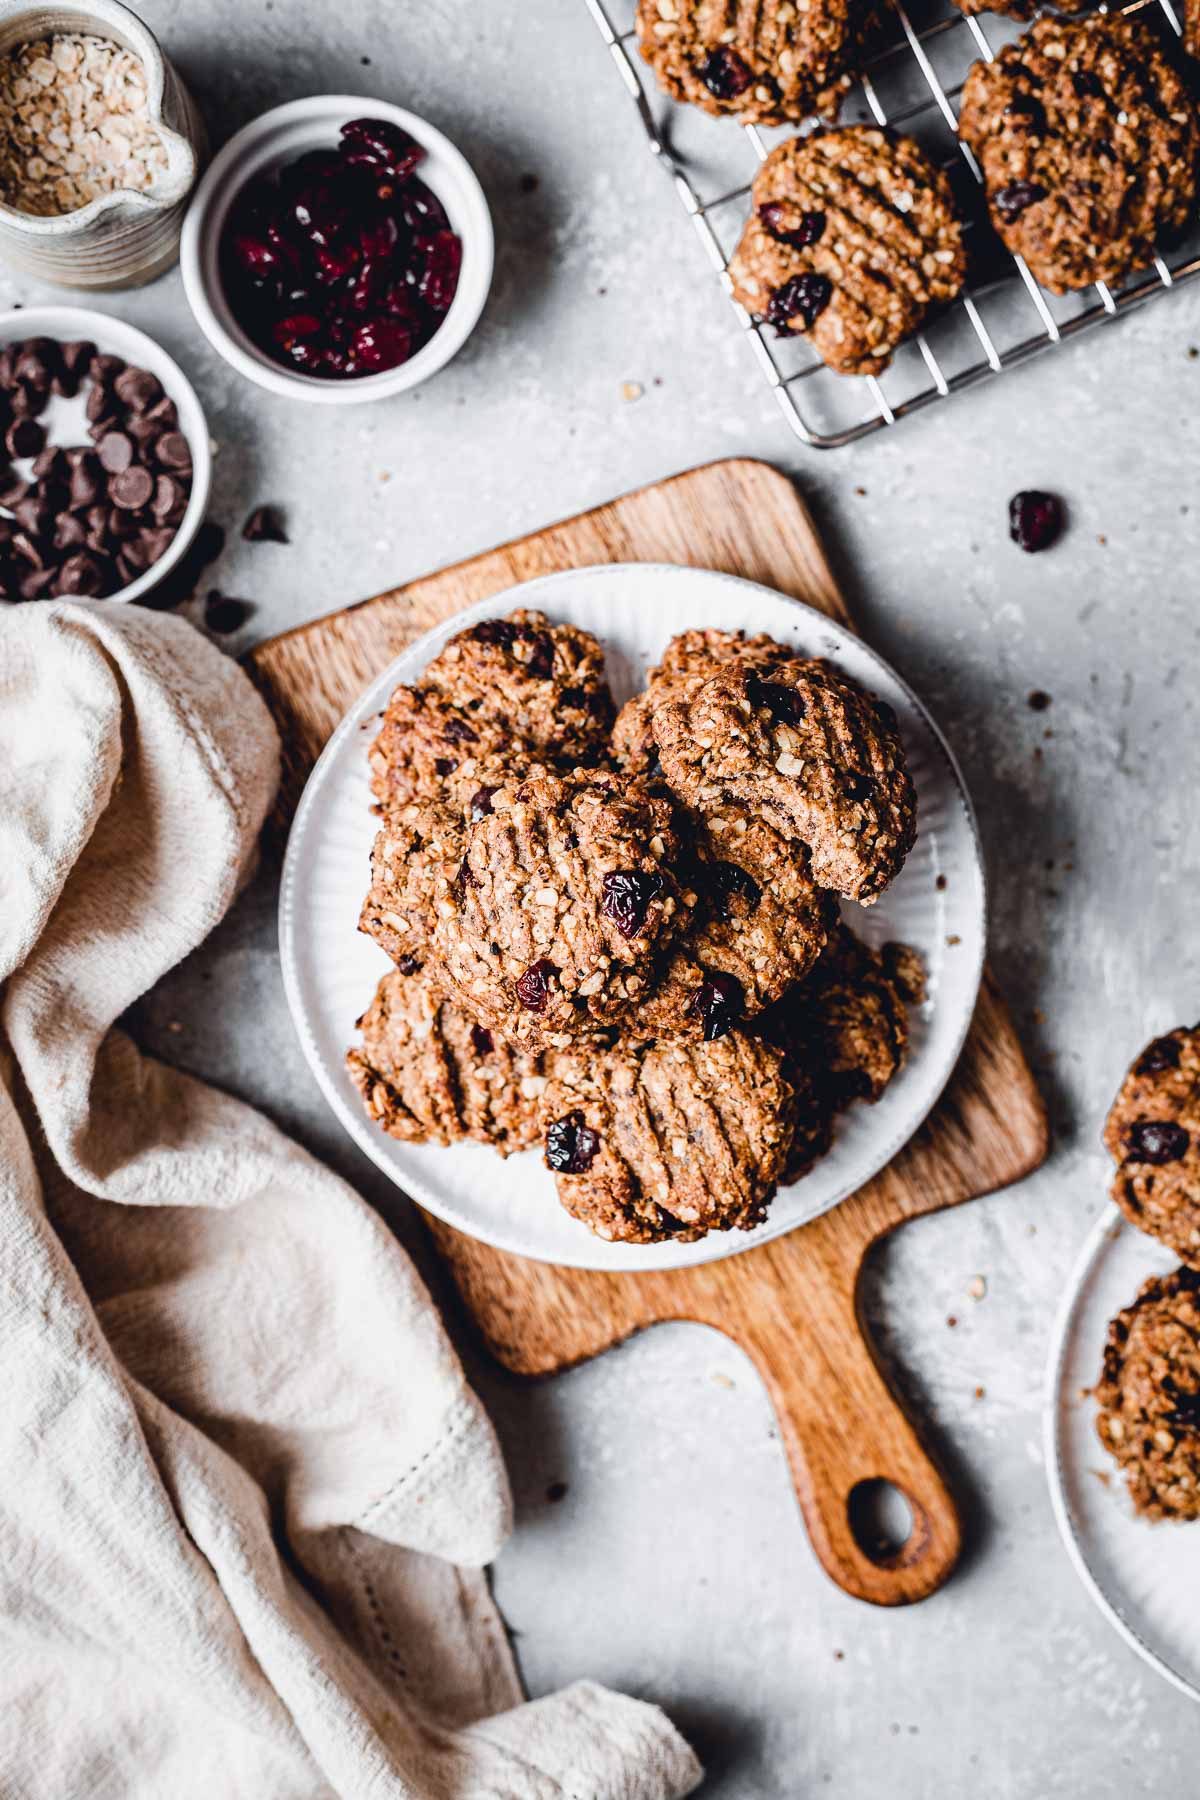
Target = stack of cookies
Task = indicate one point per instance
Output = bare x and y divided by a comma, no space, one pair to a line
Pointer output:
1084,133
617,935
1149,1390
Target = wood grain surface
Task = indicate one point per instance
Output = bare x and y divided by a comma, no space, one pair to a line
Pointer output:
792,1305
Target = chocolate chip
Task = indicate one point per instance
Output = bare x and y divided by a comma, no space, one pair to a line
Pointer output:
25,437
104,368
115,451
137,389
76,355
70,533
100,404
163,414
132,488
223,613
1159,1056
482,1041
170,499
173,451
82,573
264,526
33,515
481,804
157,542
1156,1141
27,402
1038,700
37,582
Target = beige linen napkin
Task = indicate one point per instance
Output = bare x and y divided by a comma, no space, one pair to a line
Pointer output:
246,1493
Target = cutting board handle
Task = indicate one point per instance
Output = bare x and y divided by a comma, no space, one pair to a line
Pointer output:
847,1434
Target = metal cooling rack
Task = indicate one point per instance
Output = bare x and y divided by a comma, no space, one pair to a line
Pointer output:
1003,317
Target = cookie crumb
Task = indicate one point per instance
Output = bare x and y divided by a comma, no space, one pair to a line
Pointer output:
556,1491
977,1287
632,390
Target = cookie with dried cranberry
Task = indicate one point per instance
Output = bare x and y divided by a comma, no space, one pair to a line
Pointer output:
416,861
756,924
541,684
1088,140
1153,1135
763,64
1149,1396
428,1074
689,658
422,740
564,899
852,242
671,1141
1018,9
811,751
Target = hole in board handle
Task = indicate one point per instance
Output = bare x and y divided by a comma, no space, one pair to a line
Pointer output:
888,1527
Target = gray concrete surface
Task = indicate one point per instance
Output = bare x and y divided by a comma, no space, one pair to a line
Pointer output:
676,1565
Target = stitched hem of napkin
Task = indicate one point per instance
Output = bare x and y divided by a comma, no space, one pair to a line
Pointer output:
461,1418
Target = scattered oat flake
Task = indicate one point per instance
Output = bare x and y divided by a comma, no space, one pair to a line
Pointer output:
979,1393
722,1380
954,938
632,390
977,1287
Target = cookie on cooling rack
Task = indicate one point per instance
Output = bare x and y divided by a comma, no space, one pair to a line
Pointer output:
811,750
671,1141
1087,138
1149,1396
428,1074
853,241
1018,9
766,64
1153,1135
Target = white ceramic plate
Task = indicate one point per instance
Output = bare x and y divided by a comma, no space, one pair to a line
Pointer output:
1144,1577
331,970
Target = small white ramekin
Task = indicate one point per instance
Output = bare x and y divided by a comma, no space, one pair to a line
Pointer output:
69,324
279,136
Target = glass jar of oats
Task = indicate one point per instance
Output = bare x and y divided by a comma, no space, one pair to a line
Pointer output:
100,145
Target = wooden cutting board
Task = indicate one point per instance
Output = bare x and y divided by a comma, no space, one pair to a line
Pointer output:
792,1305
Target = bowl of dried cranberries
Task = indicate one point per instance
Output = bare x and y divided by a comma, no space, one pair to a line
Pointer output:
338,249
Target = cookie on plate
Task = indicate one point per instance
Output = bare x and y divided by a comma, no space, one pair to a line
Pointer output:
542,684
844,1034
422,739
1149,1396
416,861
1152,1133
428,1074
853,240
690,658
809,749
671,1141
764,64
564,898
1018,9
1087,137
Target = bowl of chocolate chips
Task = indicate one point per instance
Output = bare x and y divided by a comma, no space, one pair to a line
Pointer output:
104,457
339,249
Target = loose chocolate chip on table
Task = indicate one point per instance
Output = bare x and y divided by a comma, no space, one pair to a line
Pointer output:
1156,1141
25,437
1035,519
1157,1057
132,488
223,613
571,1145
115,451
1038,700
264,526
173,451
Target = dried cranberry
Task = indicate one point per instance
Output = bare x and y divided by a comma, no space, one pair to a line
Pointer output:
724,74
336,262
627,897
378,237
481,804
728,882
504,633
1185,1414
407,965
1027,111
804,296
571,1145
1162,1054
1011,201
441,262
260,258
718,1004
319,213
1156,1141
378,144
381,344
421,209
457,731
496,631
445,765
541,655
809,231
296,328
785,704
1087,86
1035,519
481,1041
533,987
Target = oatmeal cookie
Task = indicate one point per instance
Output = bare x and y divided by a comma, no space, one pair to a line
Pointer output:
422,739
1018,9
689,658
1153,1134
812,751
765,64
1087,137
843,1033
564,897
1149,1396
853,240
415,863
542,684
672,1141
756,924
428,1074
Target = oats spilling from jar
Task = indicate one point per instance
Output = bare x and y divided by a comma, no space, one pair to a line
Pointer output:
74,124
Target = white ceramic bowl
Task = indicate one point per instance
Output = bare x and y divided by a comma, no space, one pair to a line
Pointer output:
69,323
280,136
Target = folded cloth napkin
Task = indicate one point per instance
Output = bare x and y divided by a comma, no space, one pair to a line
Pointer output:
247,1493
